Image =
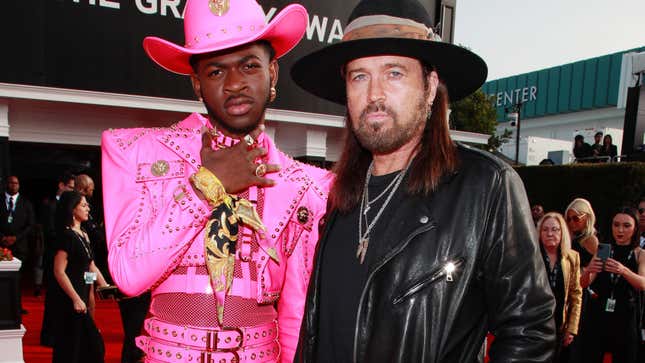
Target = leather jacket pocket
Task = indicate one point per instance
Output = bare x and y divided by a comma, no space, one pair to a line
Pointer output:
448,271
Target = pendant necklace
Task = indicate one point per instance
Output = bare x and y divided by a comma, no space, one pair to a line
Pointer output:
364,237
84,242
369,202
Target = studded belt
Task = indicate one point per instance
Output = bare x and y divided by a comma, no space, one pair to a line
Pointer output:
166,352
212,339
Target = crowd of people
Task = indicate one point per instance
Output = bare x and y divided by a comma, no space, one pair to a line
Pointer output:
412,250
598,282
61,244
603,149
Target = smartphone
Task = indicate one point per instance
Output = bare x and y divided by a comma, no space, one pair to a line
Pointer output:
109,292
604,251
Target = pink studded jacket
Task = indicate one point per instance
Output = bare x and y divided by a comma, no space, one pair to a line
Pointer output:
155,222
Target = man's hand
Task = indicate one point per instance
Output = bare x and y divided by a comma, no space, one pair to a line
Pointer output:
236,166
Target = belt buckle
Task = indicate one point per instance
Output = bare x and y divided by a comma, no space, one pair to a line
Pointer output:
212,338
205,357
239,343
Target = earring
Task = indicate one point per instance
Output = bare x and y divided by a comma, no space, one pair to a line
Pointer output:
429,111
273,94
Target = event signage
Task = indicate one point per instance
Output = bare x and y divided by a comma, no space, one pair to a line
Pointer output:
322,28
97,45
514,97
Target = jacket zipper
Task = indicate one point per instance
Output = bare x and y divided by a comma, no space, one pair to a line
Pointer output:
369,278
437,274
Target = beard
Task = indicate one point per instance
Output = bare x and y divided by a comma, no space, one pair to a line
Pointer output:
232,130
377,139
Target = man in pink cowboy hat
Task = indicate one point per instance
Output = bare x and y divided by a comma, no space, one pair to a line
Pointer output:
228,273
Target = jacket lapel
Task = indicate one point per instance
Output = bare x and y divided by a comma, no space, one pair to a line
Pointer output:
185,139
281,200
565,264
412,216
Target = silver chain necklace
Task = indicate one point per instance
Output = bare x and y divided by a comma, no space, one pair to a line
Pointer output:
367,196
84,242
364,237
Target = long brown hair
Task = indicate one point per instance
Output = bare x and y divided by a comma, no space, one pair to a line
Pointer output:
436,157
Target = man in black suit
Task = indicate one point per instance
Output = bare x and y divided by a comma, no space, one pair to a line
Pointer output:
16,220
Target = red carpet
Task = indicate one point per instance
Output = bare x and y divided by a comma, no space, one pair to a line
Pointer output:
108,320
107,317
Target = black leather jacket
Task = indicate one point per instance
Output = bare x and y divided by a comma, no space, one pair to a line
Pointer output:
411,310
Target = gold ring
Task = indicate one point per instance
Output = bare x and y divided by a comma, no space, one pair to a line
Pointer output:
248,139
261,170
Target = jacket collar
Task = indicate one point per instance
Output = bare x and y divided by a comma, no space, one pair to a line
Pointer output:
16,198
280,201
412,216
185,138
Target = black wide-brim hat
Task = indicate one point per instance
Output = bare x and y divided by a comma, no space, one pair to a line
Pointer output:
319,73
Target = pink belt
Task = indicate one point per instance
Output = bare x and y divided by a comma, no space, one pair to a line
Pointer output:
157,351
175,343
193,283
212,339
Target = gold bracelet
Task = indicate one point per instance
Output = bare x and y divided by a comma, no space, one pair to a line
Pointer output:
214,191
210,186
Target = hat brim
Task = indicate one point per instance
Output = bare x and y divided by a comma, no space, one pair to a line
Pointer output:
283,32
319,73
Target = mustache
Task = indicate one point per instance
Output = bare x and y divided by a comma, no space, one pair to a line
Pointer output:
377,107
238,98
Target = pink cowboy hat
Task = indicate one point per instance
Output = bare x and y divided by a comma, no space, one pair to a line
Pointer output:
212,25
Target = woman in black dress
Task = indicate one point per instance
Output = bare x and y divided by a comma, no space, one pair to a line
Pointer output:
77,339
581,221
618,282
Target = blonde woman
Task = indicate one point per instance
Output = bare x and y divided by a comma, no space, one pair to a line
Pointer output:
563,268
581,221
